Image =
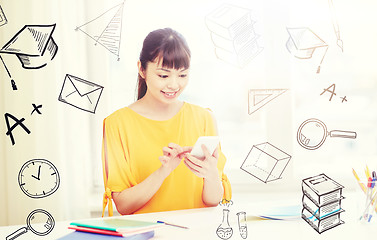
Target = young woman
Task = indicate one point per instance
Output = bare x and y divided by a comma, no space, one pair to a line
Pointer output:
147,165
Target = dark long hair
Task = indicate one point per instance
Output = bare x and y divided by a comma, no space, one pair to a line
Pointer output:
166,45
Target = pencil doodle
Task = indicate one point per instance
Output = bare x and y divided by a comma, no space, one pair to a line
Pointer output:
18,122
3,18
312,133
33,45
36,108
13,83
106,29
233,35
332,91
257,98
265,162
33,221
38,178
80,93
302,43
321,202
335,24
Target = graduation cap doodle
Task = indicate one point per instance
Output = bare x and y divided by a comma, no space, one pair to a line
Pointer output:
302,43
33,45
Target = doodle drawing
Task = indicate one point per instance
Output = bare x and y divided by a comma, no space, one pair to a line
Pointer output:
13,83
80,93
321,202
257,98
106,29
36,109
266,162
18,122
225,231
242,224
33,222
3,19
302,43
328,90
331,90
233,34
33,45
38,178
335,24
312,133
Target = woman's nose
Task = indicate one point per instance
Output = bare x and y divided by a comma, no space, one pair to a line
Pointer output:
173,83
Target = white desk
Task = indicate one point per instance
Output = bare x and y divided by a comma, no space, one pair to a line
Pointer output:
203,223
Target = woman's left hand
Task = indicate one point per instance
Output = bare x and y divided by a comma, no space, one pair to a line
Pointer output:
205,168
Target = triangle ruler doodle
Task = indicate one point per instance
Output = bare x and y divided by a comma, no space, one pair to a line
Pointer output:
260,97
106,29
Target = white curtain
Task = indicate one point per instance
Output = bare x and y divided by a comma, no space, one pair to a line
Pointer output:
68,137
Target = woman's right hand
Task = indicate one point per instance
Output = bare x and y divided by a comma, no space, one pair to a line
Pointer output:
172,156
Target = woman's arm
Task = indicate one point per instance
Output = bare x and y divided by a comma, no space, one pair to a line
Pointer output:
207,169
131,199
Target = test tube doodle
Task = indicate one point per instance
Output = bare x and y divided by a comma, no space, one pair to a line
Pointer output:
242,225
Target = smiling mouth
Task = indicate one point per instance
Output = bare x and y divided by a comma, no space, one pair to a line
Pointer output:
170,94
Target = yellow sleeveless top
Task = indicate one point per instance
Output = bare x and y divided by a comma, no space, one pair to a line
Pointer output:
131,147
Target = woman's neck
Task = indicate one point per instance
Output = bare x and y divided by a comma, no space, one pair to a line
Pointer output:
155,110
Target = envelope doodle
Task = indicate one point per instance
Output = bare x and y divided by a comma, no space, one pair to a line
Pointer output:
80,93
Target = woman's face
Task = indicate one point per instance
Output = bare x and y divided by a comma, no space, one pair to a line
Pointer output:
164,84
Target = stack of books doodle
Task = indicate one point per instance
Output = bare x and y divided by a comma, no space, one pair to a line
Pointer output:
321,202
232,33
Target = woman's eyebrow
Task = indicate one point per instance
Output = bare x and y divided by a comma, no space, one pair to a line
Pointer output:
167,70
163,69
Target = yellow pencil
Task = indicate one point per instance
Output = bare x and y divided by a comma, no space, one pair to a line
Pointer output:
362,185
367,172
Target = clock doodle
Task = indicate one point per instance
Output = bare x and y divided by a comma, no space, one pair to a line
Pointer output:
38,178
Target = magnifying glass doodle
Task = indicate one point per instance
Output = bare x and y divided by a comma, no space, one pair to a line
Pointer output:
312,133
39,222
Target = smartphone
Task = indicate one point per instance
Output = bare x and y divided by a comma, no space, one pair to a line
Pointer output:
210,142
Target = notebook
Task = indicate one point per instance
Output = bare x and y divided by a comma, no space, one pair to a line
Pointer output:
119,225
77,235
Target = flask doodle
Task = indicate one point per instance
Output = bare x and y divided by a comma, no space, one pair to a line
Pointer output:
225,231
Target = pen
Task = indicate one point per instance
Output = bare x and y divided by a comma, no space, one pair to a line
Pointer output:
174,225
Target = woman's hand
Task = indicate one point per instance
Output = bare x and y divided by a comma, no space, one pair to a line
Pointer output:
204,168
172,156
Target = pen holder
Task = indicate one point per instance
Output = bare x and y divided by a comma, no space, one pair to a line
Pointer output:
266,162
369,208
